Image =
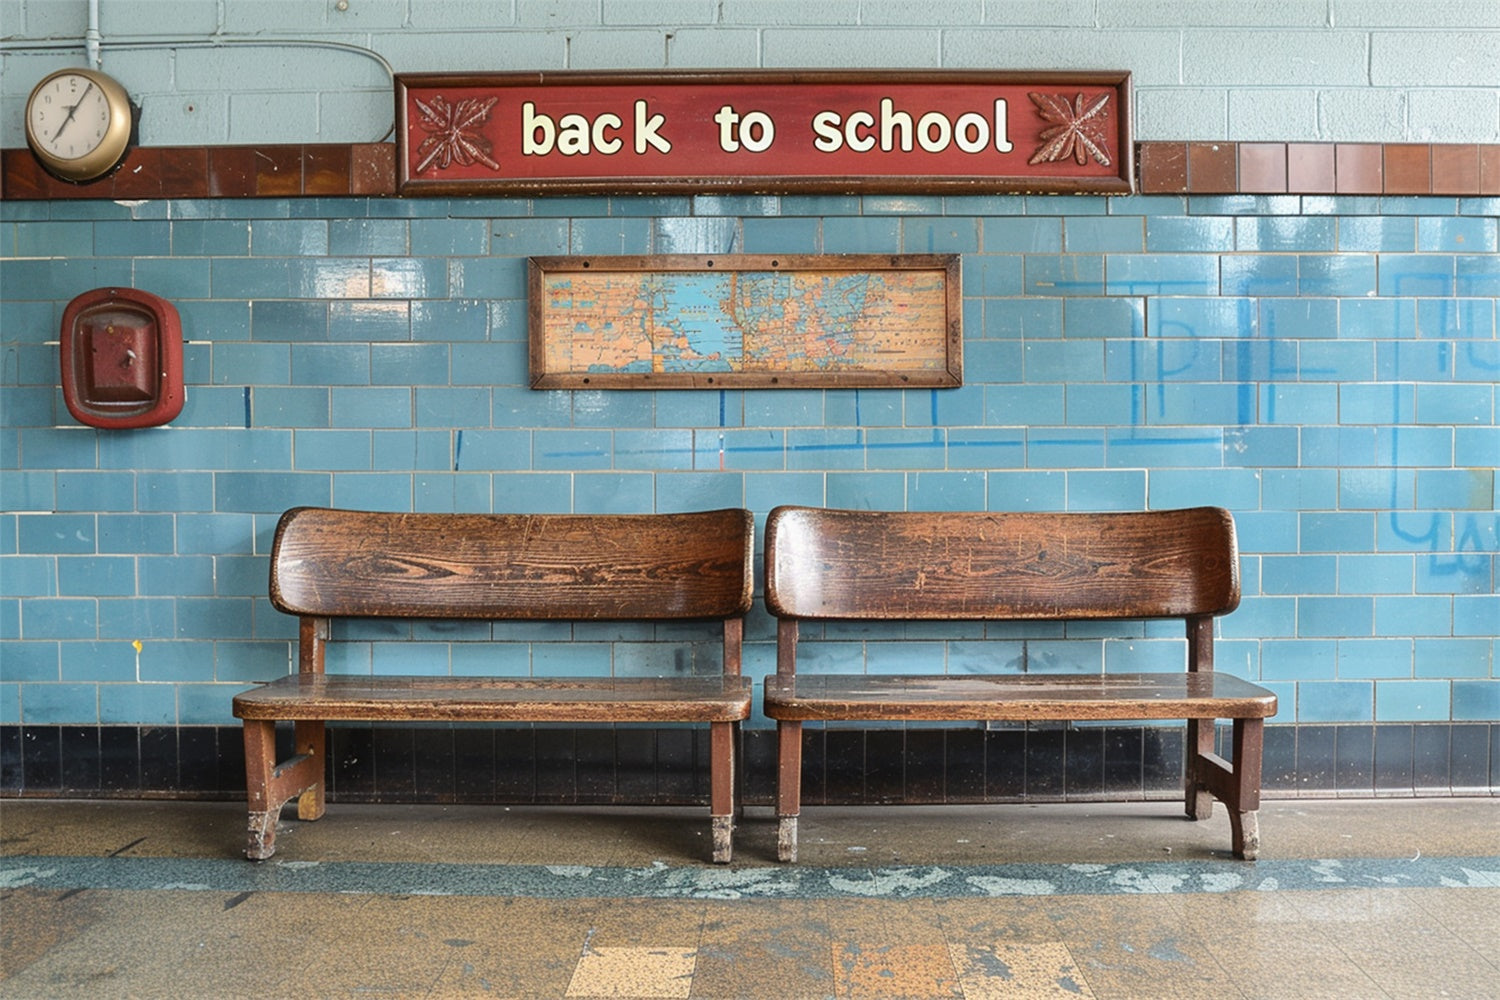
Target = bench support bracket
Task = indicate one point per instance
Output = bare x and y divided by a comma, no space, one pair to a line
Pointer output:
270,785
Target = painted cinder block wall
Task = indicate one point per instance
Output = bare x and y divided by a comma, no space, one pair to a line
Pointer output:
1325,366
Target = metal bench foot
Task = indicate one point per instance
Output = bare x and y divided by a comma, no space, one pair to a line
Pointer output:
786,838
723,839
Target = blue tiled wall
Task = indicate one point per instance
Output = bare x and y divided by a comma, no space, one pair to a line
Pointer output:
1324,367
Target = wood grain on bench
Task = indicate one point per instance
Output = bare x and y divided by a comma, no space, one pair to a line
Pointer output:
845,565
328,564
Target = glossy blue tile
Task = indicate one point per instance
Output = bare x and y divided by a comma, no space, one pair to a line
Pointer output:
993,275
1417,274
862,235
1313,574
459,407
1475,446
1332,531
1476,700
1018,318
1018,405
1334,701
1027,491
1377,319
1414,446
1022,235
1475,614
1335,617
1298,659
1162,449
1465,572
986,448
1375,574
1414,361
1465,403
867,490
1456,234
733,448
1104,234
1064,361
1064,449
835,448
330,364
1089,489
1461,319
1257,275
288,237
539,493
1341,275
60,704
1412,700
946,491
1377,489
1261,447
1154,360
1456,489
1189,234
1413,531
1282,234
1071,274
1107,405
1207,318
1370,233
556,450
1413,616
1304,403
1478,275
1161,274
1110,317
1377,403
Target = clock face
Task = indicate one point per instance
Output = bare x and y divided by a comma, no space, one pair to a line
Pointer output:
78,123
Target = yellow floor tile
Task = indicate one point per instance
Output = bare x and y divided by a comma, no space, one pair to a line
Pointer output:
634,972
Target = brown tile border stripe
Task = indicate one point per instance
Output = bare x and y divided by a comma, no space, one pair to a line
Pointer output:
1446,169
369,170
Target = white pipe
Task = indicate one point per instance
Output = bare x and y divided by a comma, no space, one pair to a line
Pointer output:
91,37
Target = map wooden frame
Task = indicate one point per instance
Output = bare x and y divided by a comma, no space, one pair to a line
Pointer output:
936,343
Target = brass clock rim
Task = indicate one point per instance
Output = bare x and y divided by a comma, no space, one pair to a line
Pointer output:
111,148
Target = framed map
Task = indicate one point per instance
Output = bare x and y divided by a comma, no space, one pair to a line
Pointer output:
739,321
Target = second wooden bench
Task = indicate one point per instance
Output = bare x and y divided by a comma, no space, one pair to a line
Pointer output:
658,569
845,565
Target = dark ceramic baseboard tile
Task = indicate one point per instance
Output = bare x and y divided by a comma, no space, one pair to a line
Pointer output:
369,170
520,764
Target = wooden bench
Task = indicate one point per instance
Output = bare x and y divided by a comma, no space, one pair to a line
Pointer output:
652,568
845,565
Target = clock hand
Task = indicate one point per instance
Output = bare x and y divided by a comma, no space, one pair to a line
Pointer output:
73,110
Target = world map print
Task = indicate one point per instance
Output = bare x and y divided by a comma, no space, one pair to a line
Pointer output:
714,325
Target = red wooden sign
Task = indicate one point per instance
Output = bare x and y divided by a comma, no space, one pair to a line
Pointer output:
763,131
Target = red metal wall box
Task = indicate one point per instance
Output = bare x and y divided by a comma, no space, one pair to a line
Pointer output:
122,358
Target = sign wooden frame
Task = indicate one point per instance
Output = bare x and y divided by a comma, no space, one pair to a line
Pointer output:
922,348
764,131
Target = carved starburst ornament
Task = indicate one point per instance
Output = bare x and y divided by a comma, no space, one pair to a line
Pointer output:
1077,130
451,133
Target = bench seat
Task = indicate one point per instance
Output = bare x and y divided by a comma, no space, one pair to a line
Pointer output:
498,699
1002,697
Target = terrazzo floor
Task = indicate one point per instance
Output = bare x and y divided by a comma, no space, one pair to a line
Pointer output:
1362,899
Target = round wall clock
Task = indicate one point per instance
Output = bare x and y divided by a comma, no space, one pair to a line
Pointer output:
79,123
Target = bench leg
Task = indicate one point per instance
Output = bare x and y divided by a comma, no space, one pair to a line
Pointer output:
721,778
269,785
788,787
1199,800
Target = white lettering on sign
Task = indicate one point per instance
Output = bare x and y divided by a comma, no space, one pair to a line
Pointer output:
933,132
577,135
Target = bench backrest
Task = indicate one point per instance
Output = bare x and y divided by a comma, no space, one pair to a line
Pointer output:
329,563
848,564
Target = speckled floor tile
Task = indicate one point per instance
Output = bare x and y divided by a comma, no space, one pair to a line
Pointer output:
882,969
1018,969
634,972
